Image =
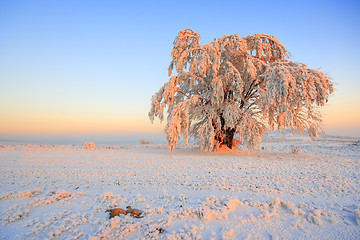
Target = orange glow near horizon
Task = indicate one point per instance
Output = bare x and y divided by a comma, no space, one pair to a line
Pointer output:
341,111
340,117
70,125
333,119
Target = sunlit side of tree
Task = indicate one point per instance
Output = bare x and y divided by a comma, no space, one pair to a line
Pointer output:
233,89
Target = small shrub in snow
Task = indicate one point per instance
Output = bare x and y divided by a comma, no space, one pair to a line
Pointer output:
145,142
294,150
90,146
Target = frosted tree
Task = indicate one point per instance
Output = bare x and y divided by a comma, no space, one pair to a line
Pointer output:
234,89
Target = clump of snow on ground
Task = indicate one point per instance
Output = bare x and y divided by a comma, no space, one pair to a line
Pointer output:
63,192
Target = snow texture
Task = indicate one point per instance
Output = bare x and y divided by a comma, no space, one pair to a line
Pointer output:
62,192
237,86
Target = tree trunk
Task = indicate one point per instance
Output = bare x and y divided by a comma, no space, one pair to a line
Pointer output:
226,137
229,138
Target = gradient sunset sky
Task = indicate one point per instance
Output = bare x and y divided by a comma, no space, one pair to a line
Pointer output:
91,67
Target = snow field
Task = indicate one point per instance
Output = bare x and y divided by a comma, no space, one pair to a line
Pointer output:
62,192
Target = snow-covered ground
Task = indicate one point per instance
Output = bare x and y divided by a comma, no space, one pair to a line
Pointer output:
292,188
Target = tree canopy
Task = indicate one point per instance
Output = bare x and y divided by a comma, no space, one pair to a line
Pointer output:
236,88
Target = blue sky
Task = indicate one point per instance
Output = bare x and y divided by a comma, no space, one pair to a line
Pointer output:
92,66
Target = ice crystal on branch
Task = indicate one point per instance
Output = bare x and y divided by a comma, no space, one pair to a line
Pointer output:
237,88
